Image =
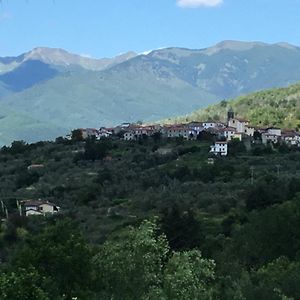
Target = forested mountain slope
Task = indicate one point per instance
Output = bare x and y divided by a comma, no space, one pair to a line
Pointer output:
276,107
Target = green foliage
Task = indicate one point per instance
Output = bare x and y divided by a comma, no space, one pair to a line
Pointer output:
96,150
131,267
182,229
140,266
23,284
60,254
76,135
276,107
269,234
212,207
236,146
188,276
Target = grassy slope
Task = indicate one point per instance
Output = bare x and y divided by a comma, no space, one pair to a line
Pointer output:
91,100
279,107
19,126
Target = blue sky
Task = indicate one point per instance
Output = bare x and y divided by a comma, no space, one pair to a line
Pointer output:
104,28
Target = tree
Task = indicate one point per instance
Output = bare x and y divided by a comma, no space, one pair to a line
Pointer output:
181,228
139,265
60,254
269,234
236,146
188,275
206,136
22,284
257,136
156,136
17,147
94,150
77,135
277,280
131,267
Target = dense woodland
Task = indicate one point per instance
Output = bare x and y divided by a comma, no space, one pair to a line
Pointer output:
151,219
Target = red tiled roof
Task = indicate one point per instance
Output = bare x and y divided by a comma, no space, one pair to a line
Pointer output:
227,129
36,203
242,120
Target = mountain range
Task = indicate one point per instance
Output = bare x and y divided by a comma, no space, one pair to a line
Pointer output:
47,92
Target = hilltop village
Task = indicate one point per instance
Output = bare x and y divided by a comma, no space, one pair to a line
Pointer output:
234,129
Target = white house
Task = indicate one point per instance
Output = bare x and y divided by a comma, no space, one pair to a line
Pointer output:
274,131
130,135
268,137
174,131
291,137
38,207
239,124
104,133
89,132
227,132
195,127
134,132
249,130
219,148
209,124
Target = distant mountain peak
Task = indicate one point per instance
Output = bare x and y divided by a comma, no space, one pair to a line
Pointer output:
51,55
233,45
286,45
61,57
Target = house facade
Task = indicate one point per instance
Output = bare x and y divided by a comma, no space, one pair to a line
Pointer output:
269,138
219,148
227,133
37,208
175,131
239,124
291,137
274,131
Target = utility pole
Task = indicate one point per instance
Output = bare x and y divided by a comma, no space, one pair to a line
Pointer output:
252,175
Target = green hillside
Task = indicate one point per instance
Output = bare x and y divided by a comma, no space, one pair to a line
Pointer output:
278,107
92,99
135,224
20,126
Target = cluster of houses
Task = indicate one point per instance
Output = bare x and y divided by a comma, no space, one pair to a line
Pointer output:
234,128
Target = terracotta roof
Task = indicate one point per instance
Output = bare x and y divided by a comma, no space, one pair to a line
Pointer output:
270,134
35,211
227,129
35,166
36,203
276,128
242,120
